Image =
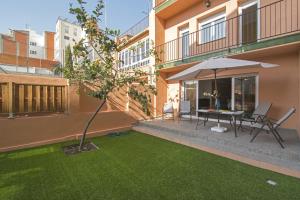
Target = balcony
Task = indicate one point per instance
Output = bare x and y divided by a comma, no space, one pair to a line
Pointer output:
274,24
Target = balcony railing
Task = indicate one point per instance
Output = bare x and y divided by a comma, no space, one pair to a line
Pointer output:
14,69
271,21
139,27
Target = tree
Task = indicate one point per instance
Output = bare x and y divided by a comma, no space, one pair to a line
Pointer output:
68,66
104,73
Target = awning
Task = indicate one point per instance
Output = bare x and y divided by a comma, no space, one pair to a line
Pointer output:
215,64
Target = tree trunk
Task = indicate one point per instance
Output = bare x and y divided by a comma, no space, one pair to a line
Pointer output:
89,123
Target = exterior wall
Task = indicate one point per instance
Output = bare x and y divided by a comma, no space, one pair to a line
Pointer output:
49,45
23,132
9,46
191,17
36,45
34,131
25,61
60,37
21,38
16,49
280,85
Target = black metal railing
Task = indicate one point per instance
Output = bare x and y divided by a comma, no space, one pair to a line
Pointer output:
253,25
139,27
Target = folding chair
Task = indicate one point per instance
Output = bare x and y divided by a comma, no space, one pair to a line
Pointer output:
258,115
272,126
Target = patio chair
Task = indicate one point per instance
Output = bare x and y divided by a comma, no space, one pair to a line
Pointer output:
258,115
184,109
273,126
168,110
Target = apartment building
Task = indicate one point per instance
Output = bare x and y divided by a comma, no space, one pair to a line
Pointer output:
66,34
187,32
27,48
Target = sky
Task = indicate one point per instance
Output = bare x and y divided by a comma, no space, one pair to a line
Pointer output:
41,15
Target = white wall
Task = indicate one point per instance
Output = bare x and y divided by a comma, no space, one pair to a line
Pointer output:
36,45
64,38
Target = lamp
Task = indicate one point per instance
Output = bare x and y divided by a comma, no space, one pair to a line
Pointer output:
207,3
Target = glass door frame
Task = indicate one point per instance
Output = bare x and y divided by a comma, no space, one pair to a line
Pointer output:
243,6
256,88
232,88
183,92
184,42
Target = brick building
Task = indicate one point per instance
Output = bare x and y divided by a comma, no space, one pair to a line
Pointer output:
28,49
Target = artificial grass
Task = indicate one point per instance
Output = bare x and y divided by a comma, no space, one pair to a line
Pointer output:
135,166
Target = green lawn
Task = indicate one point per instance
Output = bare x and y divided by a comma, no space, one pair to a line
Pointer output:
135,166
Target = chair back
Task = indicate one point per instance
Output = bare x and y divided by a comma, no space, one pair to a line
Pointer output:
185,107
262,109
285,117
168,107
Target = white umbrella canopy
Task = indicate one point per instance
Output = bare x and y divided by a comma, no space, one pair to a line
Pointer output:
214,64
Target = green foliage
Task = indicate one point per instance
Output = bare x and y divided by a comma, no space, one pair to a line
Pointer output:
103,73
68,68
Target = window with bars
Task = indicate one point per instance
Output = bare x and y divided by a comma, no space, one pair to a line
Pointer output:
136,55
213,28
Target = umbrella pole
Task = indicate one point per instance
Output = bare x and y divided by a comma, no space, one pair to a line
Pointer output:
215,70
216,88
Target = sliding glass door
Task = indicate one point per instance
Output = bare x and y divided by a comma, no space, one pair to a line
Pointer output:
236,93
245,93
190,94
206,88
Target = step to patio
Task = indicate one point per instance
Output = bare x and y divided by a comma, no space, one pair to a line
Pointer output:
270,153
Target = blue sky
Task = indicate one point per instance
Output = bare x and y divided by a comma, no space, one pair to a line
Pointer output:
41,15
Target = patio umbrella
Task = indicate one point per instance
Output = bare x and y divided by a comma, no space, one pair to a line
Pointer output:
217,64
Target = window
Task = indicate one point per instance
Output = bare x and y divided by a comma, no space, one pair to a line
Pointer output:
249,22
33,52
135,56
66,29
206,88
66,37
126,57
32,43
75,32
190,94
245,93
184,42
213,28
143,50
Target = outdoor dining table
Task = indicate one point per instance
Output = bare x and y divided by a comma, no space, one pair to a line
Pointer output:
208,112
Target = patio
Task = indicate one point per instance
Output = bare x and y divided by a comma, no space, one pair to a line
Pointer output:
263,149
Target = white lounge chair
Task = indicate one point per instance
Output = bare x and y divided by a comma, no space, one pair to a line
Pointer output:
272,126
168,110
